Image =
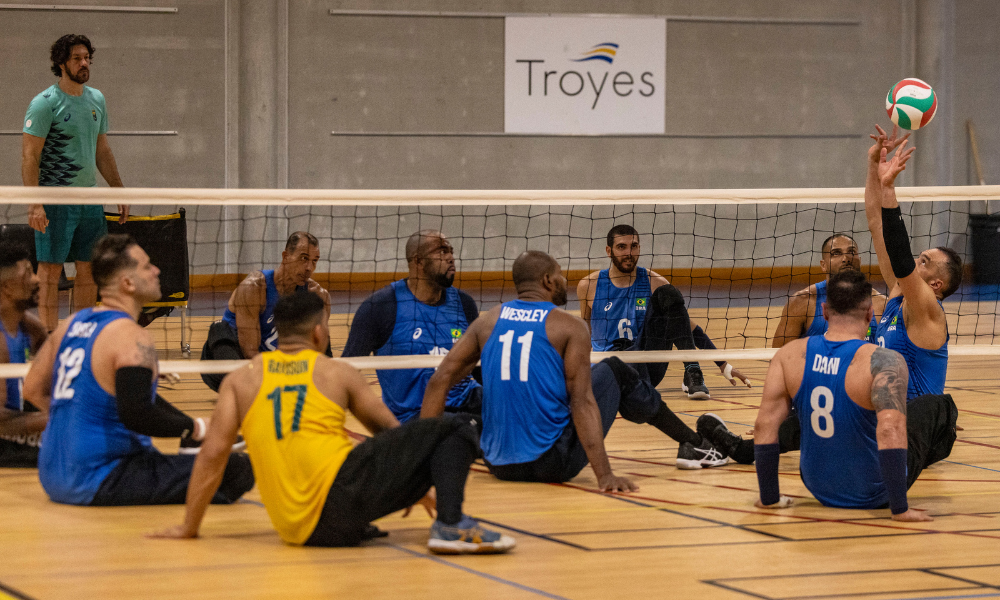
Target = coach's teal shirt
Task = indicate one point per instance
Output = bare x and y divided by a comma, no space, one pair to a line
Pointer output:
70,126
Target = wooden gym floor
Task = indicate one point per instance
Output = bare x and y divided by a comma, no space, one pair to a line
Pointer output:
685,534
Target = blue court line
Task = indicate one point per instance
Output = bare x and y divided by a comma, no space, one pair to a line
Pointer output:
973,466
479,573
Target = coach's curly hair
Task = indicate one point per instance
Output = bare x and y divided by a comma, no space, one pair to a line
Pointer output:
62,47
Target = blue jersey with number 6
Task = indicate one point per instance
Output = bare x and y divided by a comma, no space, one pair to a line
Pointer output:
84,440
839,461
525,403
618,313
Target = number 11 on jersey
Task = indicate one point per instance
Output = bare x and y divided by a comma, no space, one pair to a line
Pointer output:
507,340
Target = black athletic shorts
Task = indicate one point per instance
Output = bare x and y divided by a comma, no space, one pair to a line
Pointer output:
20,452
386,473
153,478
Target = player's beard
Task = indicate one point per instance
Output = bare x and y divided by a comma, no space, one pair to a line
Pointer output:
618,263
27,303
559,295
81,76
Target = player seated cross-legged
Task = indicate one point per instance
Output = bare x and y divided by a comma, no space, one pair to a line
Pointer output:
247,326
801,317
626,302
545,409
422,314
21,424
859,449
317,489
96,376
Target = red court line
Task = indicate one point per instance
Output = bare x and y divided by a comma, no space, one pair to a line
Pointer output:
979,444
975,412
665,464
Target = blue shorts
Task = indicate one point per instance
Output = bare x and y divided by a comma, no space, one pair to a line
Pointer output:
71,233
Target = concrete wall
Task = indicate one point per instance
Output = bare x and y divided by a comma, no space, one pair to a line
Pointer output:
282,93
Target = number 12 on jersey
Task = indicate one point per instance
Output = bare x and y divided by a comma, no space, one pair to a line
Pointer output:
507,340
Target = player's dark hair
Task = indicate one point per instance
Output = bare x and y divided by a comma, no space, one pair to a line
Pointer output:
531,266
622,229
111,256
298,236
827,242
953,269
297,313
847,292
12,253
63,46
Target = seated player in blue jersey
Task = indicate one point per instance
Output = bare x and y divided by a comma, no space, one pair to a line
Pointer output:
21,424
801,317
546,410
247,326
422,314
96,376
863,446
631,307
913,322
319,489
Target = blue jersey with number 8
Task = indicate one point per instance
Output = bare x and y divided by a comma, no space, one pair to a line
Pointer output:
525,403
839,461
84,440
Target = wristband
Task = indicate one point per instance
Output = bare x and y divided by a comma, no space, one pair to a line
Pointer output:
766,457
893,464
200,429
897,242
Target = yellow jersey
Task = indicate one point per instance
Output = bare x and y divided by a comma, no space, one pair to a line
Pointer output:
296,441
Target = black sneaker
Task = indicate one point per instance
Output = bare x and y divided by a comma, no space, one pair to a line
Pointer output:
189,446
705,455
713,429
694,383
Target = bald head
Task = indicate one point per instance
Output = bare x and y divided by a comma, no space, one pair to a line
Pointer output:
431,258
536,271
420,242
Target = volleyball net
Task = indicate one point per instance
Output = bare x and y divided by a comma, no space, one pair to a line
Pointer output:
736,255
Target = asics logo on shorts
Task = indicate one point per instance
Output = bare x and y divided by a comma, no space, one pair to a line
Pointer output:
608,307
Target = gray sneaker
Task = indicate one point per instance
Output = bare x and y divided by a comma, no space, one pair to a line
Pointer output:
467,537
694,383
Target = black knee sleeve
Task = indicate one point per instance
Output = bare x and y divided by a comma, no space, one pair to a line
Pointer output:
641,404
668,298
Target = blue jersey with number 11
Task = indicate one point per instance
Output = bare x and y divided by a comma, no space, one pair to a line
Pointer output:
839,462
525,403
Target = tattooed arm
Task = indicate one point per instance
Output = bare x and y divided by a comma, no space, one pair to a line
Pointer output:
889,381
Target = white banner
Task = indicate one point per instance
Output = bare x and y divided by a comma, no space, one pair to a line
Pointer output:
584,75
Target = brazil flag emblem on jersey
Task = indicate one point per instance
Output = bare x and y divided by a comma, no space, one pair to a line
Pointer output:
455,334
893,322
640,303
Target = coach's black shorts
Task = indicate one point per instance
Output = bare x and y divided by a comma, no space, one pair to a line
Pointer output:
154,478
386,473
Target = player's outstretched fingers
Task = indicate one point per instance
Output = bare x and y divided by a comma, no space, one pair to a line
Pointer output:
177,532
614,483
913,515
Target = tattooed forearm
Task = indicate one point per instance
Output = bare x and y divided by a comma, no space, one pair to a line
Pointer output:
889,380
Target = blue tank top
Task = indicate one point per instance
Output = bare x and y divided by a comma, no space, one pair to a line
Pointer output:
618,312
928,368
19,351
84,440
525,402
819,324
268,332
839,462
421,329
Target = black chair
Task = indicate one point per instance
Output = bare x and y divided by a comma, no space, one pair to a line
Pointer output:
164,238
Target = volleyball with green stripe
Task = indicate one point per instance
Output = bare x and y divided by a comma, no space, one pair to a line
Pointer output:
911,103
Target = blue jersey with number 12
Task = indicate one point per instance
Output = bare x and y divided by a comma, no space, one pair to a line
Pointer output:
525,403
84,440
839,462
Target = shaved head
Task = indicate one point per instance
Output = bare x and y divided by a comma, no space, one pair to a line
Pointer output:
531,266
419,240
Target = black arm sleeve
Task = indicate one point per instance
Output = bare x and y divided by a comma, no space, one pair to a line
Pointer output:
897,242
373,324
158,418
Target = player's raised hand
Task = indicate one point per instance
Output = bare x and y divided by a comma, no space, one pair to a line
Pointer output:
783,502
882,140
614,483
732,374
913,515
177,532
889,169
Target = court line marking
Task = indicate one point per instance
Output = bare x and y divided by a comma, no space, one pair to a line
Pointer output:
542,536
957,578
9,592
472,571
978,444
968,465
